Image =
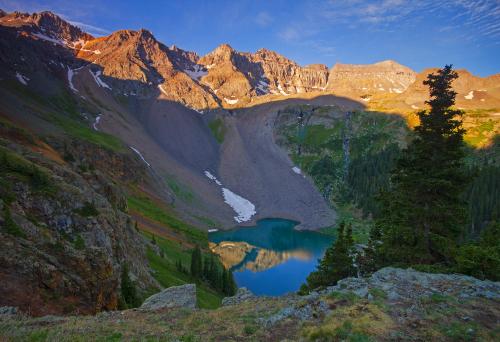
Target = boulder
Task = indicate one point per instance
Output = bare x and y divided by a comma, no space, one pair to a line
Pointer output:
183,296
8,310
242,295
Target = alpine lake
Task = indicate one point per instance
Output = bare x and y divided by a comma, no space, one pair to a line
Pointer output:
271,258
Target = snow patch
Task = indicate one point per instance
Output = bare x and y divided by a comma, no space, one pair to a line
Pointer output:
366,99
98,80
212,177
470,95
398,91
71,73
282,91
197,73
414,107
49,39
140,155
263,87
96,122
160,86
243,207
23,79
231,101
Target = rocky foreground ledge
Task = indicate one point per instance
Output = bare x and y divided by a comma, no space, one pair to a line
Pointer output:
392,304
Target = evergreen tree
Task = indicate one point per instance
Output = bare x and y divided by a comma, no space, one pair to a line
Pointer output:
337,262
128,289
228,284
196,263
214,274
422,214
368,260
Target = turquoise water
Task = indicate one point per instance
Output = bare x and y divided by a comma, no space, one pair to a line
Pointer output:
270,258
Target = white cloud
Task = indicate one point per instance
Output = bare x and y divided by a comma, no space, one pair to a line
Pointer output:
472,18
264,19
94,30
289,34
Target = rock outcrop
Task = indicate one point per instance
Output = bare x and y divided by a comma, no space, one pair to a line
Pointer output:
410,285
183,296
242,295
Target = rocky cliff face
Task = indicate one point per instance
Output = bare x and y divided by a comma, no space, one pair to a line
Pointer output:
235,77
134,63
65,235
287,77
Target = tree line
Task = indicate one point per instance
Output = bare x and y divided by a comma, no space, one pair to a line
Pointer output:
209,269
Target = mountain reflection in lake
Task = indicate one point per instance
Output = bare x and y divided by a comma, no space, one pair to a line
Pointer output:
270,258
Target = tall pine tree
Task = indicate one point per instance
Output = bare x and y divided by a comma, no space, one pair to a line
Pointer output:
422,214
337,263
196,263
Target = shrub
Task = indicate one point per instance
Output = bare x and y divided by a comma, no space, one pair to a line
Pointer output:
481,259
128,289
79,243
10,225
87,210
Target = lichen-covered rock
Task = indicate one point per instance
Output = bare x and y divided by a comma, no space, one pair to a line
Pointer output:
8,310
408,284
173,297
243,294
301,311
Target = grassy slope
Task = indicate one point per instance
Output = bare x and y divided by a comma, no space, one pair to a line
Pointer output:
167,274
165,270
218,129
64,112
143,204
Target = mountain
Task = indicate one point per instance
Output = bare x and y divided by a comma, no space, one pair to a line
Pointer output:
472,91
46,26
383,77
226,78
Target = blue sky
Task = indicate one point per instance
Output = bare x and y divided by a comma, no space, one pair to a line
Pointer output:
418,33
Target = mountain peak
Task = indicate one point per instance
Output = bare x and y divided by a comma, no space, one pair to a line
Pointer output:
46,24
223,49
